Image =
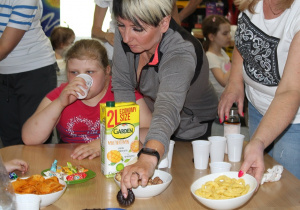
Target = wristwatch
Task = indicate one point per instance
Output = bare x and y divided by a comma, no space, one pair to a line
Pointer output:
149,151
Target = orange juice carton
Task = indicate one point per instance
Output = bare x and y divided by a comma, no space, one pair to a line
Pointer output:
119,123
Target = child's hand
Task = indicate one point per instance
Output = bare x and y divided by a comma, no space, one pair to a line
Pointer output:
90,150
69,94
16,164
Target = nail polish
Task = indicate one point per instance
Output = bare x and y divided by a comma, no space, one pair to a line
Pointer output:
220,120
241,173
226,118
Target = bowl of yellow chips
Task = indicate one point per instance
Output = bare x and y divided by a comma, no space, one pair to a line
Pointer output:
224,190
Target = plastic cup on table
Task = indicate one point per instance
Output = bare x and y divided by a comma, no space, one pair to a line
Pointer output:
201,153
217,148
235,146
28,202
167,161
218,167
89,82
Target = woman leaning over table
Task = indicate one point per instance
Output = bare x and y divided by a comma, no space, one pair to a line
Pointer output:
169,67
266,58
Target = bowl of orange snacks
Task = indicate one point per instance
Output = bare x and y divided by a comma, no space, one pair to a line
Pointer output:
224,190
48,189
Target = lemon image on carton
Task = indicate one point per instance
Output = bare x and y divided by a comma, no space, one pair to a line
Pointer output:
119,124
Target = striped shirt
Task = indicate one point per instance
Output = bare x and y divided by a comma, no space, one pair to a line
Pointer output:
34,50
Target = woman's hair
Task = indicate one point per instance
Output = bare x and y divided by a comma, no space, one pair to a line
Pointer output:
60,35
250,4
150,12
88,49
211,25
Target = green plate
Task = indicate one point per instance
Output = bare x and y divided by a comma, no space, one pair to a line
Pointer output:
89,175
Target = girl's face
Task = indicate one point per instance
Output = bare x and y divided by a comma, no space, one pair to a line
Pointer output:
141,39
91,67
223,36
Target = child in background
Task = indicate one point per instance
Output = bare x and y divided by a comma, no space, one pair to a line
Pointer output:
78,121
61,39
216,32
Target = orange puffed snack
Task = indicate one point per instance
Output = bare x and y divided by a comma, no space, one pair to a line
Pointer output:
37,184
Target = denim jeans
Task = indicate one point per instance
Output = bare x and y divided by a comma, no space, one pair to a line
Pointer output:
285,149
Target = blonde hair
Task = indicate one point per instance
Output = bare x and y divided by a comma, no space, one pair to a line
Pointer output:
150,12
250,4
88,48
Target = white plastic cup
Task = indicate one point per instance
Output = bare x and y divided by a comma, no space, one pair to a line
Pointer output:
201,153
28,202
231,128
235,146
218,167
167,161
89,82
217,148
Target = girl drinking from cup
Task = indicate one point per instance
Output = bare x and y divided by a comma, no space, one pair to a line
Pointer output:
77,120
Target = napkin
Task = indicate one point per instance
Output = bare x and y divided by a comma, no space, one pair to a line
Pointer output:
273,174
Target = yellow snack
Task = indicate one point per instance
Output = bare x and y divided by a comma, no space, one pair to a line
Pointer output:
223,187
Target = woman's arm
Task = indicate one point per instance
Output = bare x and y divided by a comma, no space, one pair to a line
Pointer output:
97,32
145,119
234,90
286,101
9,40
189,9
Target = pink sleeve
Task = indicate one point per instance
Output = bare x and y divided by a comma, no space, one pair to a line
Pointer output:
138,95
54,94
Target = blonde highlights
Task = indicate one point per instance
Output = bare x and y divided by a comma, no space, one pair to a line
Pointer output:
150,12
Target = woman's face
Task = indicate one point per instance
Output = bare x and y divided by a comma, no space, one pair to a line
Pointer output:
91,67
141,39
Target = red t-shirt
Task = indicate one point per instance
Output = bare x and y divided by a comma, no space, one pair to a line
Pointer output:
78,122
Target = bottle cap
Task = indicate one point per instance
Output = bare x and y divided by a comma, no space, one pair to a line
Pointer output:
110,103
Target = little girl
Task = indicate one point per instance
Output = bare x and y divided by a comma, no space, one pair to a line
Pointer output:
78,121
216,32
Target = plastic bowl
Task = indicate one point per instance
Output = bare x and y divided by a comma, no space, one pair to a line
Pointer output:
152,190
226,203
48,199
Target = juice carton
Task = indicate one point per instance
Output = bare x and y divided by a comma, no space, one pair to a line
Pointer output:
119,124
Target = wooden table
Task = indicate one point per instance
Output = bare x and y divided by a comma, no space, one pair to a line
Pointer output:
100,192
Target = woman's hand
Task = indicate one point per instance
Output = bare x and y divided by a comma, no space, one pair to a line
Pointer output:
89,150
16,164
69,94
234,92
254,160
142,170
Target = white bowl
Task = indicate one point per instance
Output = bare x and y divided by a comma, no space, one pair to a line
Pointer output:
226,203
48,199
218,167
152,190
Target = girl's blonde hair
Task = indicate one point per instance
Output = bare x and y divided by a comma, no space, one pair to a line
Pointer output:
250,4
150,12
88,49
211,25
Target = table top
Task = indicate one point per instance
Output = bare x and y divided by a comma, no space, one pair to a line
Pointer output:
100,192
